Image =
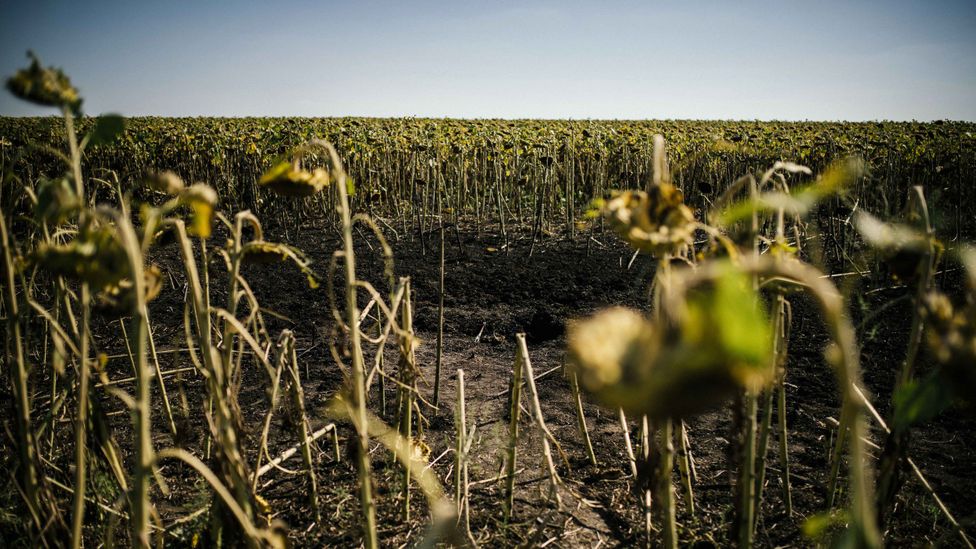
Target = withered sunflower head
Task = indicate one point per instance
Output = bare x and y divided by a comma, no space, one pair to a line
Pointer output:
56,200
287,179
613,353
121,297
165,182
261,252
95,256
46,86
951,337
657,222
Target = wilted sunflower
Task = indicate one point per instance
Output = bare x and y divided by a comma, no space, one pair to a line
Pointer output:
95,256
56,200
261,252
166,182
719,342
655,222
287,179
45,86
951,337
120,296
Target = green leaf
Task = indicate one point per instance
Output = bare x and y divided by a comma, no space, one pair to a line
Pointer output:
107,129
919,401
818,527
745,332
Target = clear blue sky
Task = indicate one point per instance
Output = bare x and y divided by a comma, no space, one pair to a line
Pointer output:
818,60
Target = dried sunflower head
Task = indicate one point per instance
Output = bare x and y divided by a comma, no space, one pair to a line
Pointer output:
166,182
287,179
120,296
951,337
95,256
164,236
46,86
261,252
656,222
719,342
56,200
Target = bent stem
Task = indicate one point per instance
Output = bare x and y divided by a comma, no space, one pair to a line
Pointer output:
30,479
358,389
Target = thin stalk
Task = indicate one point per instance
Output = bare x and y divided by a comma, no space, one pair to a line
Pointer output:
461,466
628,445
514,411
358,391
779,356
581,418
926,268
81,424
408,385
440,312
666,488
686,469
30,481
762,449
784,449
162,383
141,506
298,397
540,421
647,492
746,474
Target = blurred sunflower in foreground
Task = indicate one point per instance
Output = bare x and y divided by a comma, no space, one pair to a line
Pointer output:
45,86
951,333
718,340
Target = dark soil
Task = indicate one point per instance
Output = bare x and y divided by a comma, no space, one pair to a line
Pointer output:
493,291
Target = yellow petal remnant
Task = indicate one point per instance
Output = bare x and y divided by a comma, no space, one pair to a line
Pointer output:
286,179
201,199
655,222
45,86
